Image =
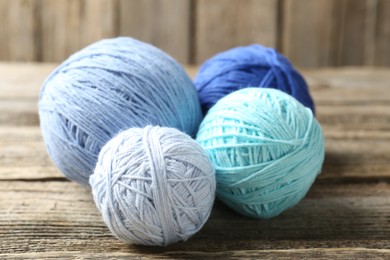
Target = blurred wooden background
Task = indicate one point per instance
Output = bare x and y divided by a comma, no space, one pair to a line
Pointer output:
311,33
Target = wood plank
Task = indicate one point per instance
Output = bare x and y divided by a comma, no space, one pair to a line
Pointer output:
60,29
20,84
221,25
23,155
339,86
355,117
356,159
351,156
371,20
317,253
60,216
18,112
164,23
4,30
309,29
69,25
382,37
98,20
334,33
312,33
22,33
334,90
355,25
22,81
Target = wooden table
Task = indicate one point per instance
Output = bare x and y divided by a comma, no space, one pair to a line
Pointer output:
346,213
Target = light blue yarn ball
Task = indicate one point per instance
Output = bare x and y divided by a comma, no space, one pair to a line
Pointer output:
267,149
107,87
154,186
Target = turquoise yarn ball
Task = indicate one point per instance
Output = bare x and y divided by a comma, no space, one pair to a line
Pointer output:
153,186
267,149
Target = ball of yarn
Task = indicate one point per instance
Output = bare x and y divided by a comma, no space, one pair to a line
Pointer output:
250,66
154,186
109,86
267,149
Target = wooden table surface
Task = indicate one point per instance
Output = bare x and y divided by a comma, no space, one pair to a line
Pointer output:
346,213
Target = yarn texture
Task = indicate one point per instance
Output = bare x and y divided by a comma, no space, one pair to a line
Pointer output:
267,149
107,87
249,66
154,186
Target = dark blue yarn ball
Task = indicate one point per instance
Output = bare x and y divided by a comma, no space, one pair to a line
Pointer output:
249,66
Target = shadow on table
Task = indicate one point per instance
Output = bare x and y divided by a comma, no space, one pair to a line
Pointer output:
315,222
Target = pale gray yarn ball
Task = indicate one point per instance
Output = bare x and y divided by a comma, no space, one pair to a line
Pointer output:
153,186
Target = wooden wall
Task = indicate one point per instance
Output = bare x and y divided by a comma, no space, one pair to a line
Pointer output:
311,33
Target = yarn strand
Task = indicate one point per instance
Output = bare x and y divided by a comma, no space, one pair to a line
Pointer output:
266,147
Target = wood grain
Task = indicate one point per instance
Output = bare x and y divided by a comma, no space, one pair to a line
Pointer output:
67,26
336,33
52,30
53,216
370,40
18,112
22,81
23,30
311,33
164,23
382,34
221,25
356,23
4,30
334,90
20,85
345,214
308,32
98,20
60,22
23,156
317,253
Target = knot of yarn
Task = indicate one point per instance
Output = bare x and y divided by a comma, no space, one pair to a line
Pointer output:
107,87
154,186
249,66
266,147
